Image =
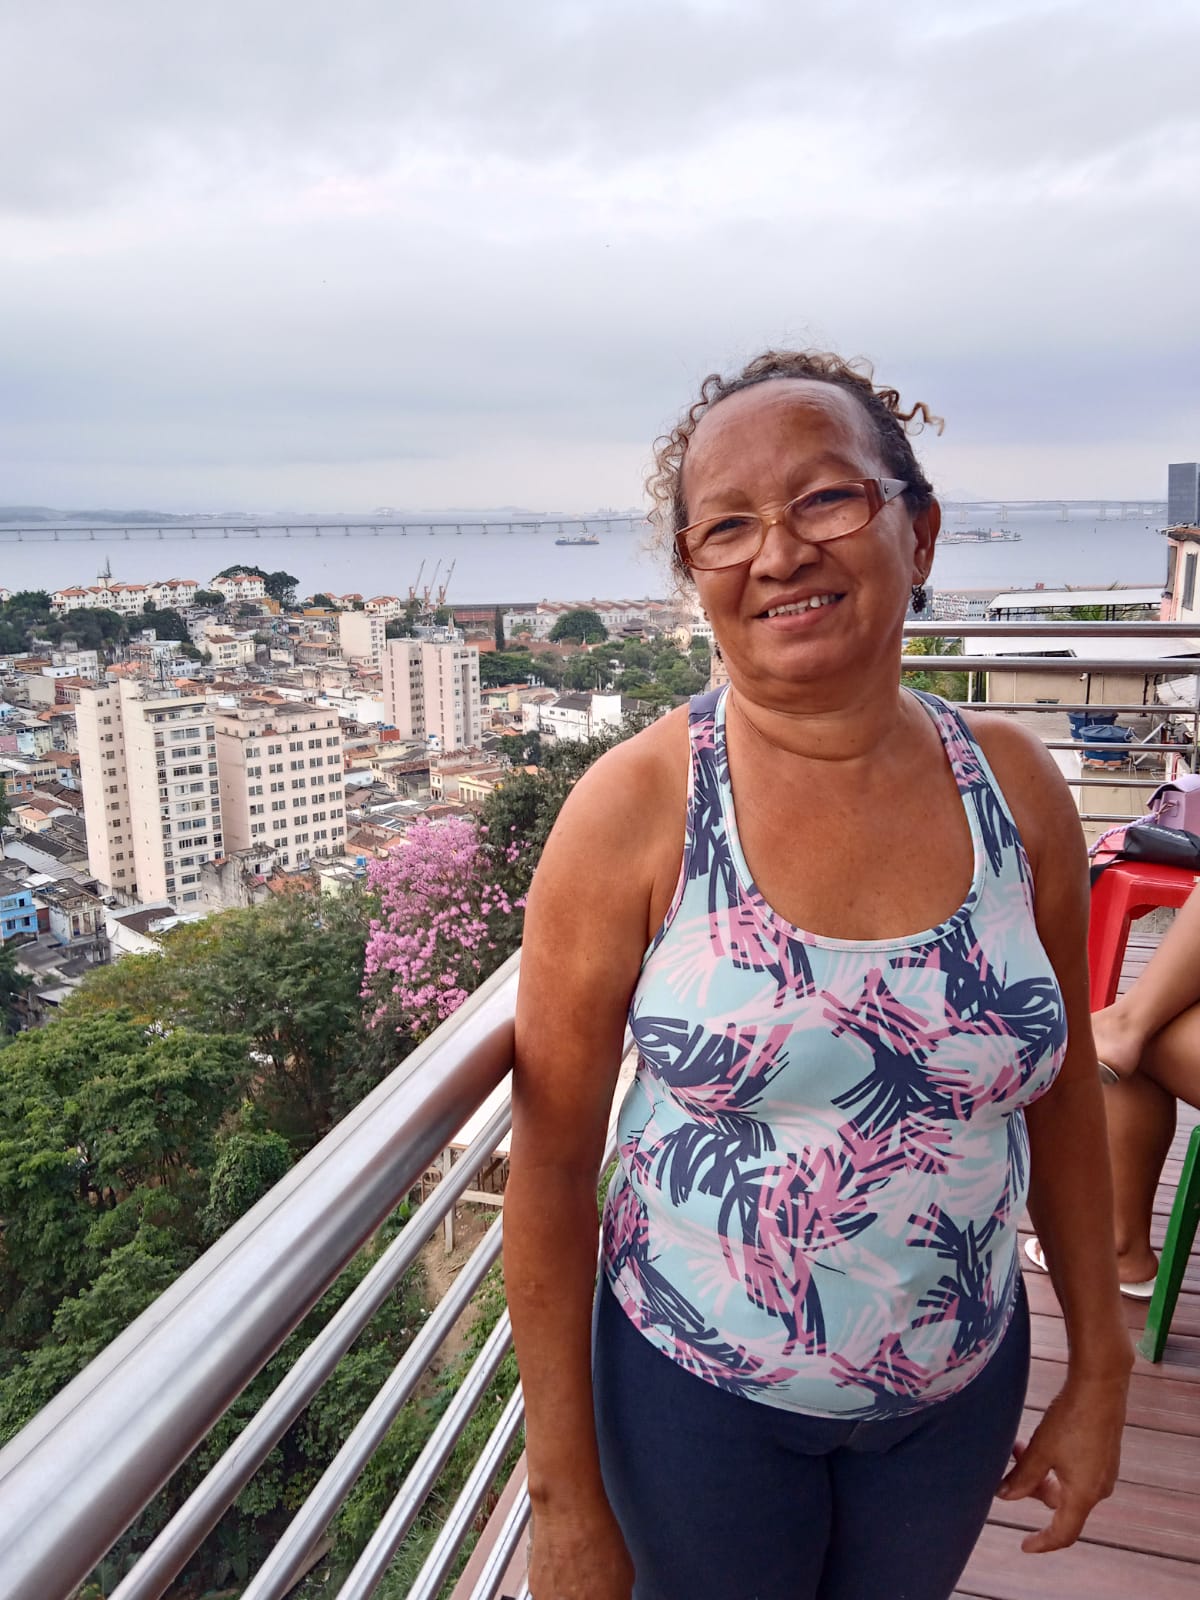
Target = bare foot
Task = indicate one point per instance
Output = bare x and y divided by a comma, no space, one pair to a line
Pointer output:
1118,1044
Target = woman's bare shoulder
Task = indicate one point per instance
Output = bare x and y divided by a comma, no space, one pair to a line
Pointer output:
613,855
636,781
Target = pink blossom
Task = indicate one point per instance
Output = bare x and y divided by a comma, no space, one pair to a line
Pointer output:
440,906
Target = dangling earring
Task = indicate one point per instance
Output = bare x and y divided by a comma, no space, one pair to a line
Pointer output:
920,598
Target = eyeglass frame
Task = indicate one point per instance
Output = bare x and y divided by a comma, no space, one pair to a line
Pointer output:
880,492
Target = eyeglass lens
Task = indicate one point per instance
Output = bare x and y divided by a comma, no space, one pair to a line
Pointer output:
825,514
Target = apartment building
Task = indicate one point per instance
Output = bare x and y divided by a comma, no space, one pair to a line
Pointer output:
127,599
1181,597
1183,494
148,772
363,636
239,586
229,651
431,691
281,779
175,594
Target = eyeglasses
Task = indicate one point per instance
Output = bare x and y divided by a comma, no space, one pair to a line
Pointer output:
823,514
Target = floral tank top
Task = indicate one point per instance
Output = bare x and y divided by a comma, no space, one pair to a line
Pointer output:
823,1156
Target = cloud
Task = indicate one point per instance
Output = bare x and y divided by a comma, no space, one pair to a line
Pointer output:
340,249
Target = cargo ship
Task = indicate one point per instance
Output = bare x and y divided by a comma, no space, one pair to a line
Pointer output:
582,538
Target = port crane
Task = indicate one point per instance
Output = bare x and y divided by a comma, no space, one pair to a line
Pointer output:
432,595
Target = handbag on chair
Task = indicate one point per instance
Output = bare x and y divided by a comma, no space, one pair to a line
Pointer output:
1167,835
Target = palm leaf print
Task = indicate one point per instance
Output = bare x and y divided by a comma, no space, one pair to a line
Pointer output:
900,1042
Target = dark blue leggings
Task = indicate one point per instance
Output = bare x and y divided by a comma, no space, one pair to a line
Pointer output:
721,1498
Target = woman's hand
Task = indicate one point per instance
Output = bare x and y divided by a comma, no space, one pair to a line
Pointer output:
579,1557
1071,1462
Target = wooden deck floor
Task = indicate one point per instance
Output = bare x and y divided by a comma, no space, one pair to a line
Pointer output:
1144,1543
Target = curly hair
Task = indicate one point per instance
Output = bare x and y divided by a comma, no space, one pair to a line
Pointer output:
889,420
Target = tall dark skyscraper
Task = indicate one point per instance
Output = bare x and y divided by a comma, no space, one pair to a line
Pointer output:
1183,494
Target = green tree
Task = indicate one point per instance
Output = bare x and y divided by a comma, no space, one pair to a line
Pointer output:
498,629
209,597
248,1163
281,586
123,1150
324,600
27,617
580,626
284,976
584,672
106,1128
950,685
405,626
509,666
29,602
171,1093
525,749
13,985
167,623
525,809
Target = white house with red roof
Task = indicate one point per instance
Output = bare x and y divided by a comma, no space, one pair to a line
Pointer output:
177,594
240,586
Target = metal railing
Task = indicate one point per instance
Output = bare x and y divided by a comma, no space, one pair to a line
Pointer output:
82,1471
1142,671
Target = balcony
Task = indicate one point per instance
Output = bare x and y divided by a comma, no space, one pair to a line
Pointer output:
84,1469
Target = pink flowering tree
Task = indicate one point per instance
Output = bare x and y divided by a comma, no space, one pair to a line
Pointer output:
445,924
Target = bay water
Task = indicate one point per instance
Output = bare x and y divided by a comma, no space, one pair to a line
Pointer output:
521,563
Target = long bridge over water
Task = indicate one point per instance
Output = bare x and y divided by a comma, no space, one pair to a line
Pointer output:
215,530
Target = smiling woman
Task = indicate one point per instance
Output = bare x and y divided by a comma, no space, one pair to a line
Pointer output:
847,926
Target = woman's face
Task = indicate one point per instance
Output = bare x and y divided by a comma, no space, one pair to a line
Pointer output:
756,451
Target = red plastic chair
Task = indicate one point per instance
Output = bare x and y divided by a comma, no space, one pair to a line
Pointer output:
1123,892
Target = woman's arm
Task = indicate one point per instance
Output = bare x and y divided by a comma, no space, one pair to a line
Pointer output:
585,934
1070,1191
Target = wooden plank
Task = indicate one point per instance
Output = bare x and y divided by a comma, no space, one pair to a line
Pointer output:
1000,1570
1187,1313
1050,1342
1157,1400
1154,1521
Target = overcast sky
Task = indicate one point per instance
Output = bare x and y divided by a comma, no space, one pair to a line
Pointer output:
269,253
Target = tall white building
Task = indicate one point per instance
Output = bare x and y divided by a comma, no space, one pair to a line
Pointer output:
431,691
148,772
281,779
363,637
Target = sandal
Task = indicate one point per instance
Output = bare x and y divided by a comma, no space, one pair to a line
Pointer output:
1131,1291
